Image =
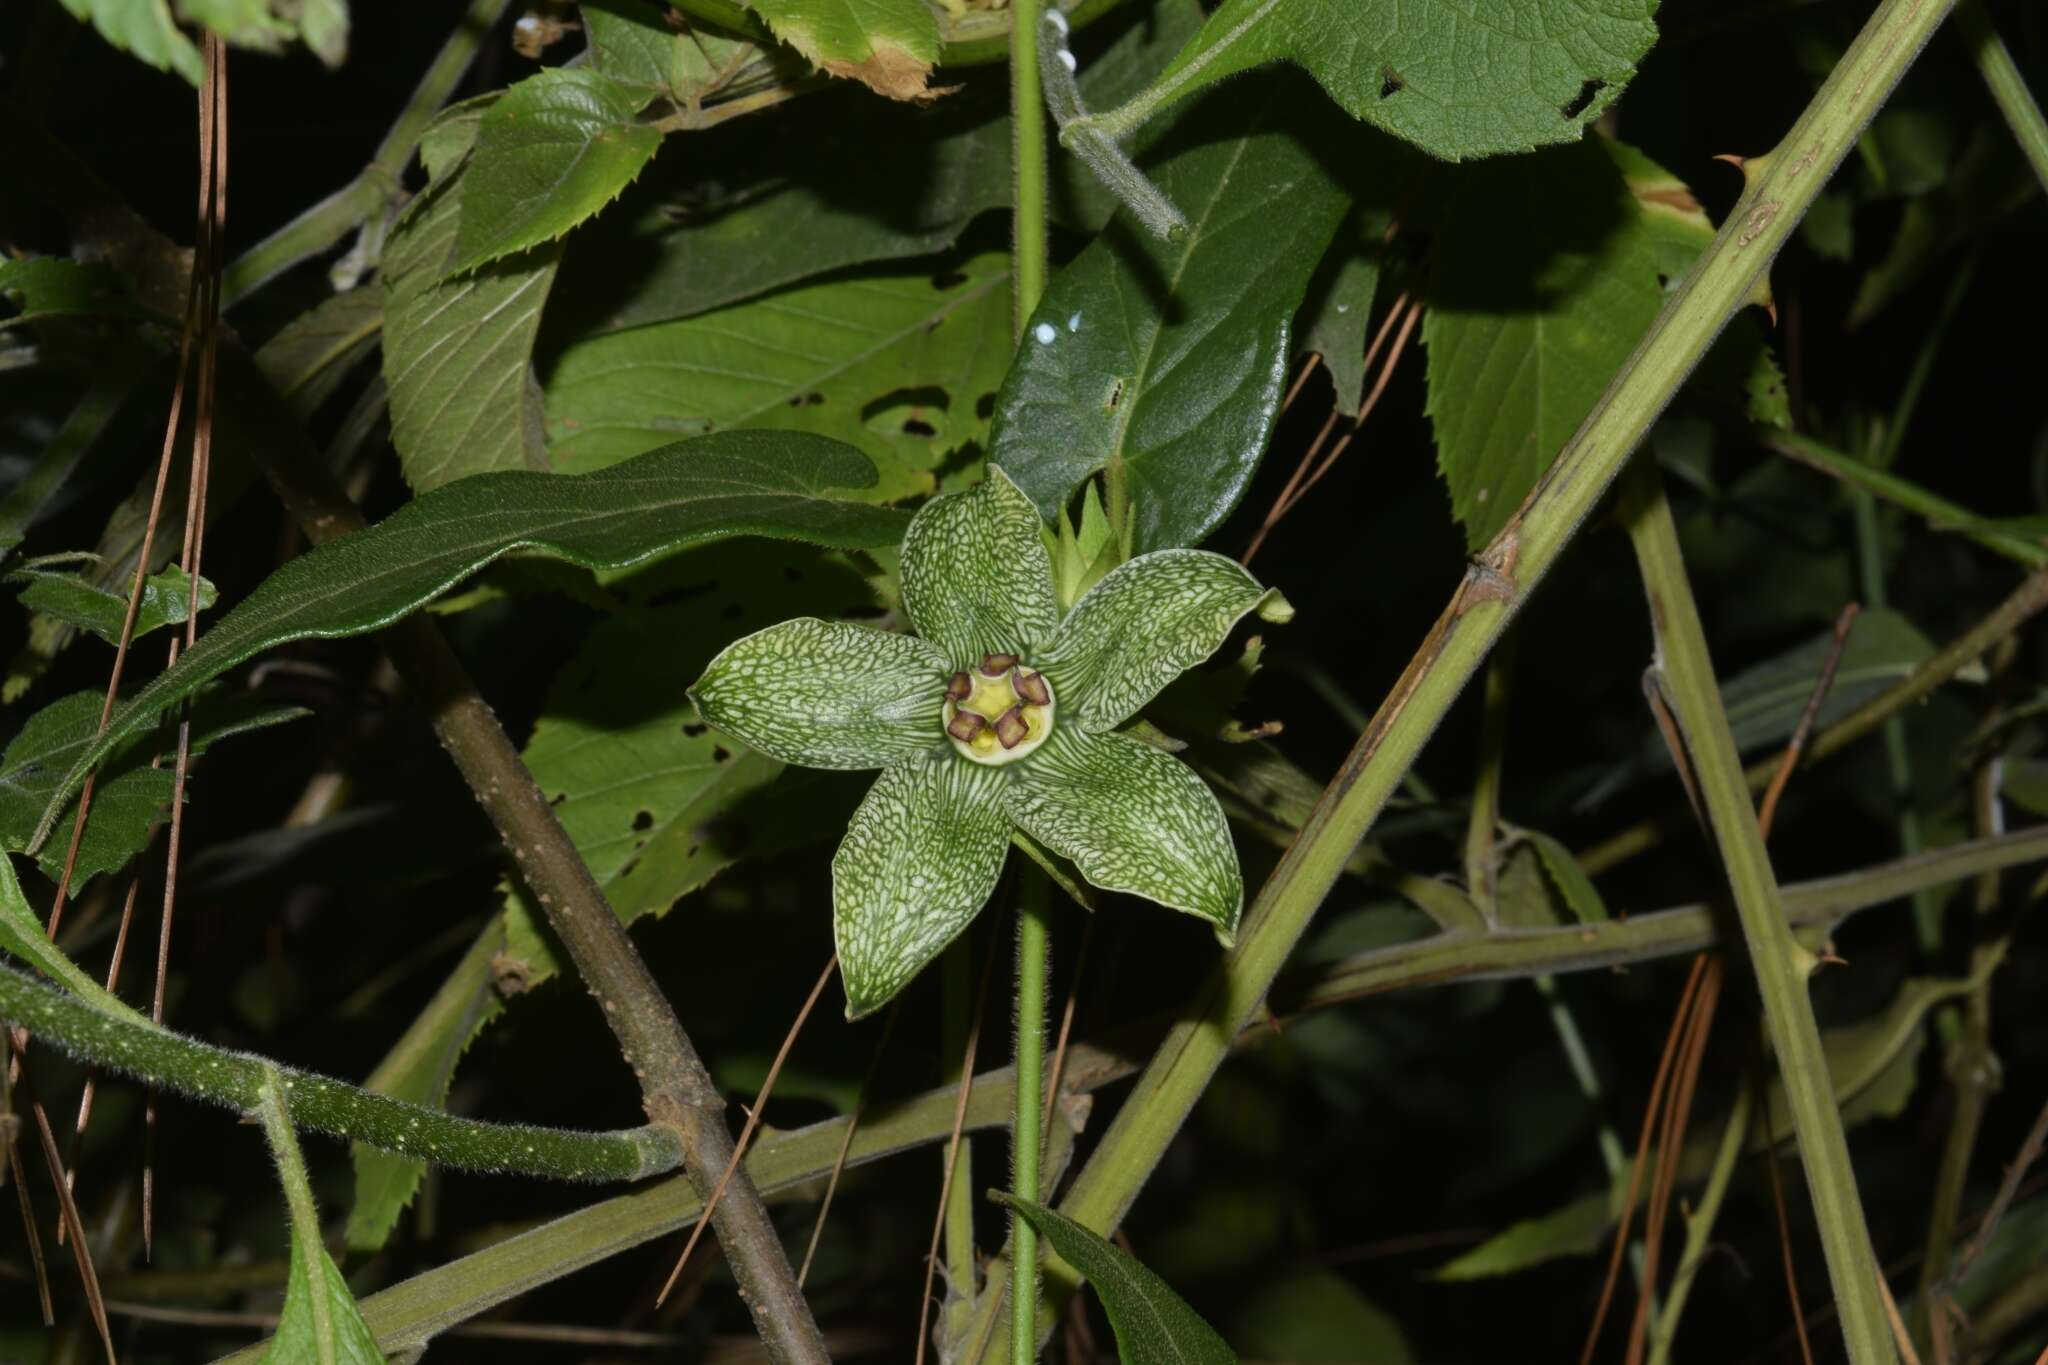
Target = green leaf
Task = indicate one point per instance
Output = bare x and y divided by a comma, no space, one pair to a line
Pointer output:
550,152
1990,182
889,46
741,483
1144,625
145,29
1526,327
309,357
638,44
1308,1317
1339,309
712,222
825,694
51,286
130,796
919,860
977,578
1455,80
1153,1325
1132,819
897,365
76,601
1164,362
320,1322
1572,882
458,353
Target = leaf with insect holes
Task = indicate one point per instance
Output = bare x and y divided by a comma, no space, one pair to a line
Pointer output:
777,484
1153,1325
896,363
458,352
889,46
550,152
1164,362
1455,79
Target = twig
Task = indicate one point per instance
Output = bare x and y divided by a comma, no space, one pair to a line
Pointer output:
1784,1220
1900,1336
1789,759
860,1105
753,1122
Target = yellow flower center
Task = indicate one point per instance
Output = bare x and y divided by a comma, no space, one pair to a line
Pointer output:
998,711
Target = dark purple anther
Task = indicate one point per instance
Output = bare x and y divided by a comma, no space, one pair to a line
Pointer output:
960,687
995,665
965,726
1010,727
1031,687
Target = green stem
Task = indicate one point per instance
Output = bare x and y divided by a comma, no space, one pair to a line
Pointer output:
307,1248
1780,964
2009,91
376,188
1034,949
1783,186
133,1045
1028,157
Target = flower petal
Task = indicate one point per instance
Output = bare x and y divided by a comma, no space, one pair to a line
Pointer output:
977,578
919,860
824,694
1142,626
1134,819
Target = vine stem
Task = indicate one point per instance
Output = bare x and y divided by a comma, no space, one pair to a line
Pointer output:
1779,189
2002,76
1034,940
1780,963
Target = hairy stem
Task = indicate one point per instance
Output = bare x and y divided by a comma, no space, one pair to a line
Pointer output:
134,1045
1781,964
1034,949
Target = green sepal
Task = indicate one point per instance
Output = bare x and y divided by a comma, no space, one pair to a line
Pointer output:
1142,626
1132,819
920,857
1082,555
976,575
825,694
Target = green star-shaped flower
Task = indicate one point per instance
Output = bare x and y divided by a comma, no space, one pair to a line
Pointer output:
1001,712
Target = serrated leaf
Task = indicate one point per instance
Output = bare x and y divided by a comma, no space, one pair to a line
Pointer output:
320,1322
896,364
714,222
550,152
145,30
1164,362
1572,882
129,798
775,484
1526,327
53,286
889,46
78,602
1153,1325
1457,81
458,353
